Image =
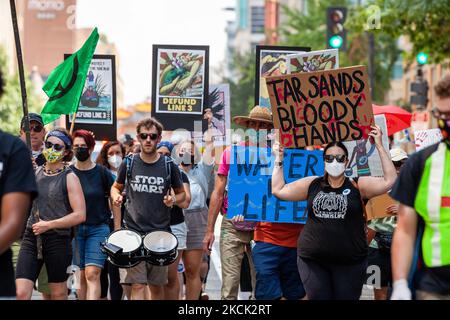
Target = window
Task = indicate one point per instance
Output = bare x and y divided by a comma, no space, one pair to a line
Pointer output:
257,19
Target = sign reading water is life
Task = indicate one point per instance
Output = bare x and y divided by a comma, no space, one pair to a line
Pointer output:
250,182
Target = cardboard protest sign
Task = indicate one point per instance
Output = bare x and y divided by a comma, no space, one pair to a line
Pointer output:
179,85
271,61
217,113
315,108
364,159
313,61
376,207
425,138
250,181
97,109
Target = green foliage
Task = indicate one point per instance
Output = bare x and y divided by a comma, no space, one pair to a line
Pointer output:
11,101
310,30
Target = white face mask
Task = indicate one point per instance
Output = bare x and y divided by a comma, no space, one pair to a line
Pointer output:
115,161
335,169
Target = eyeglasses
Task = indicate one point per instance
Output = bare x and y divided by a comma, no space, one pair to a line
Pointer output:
339,158
144,136
440,115
55,146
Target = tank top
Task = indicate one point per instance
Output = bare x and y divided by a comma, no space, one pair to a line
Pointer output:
335,228
53,199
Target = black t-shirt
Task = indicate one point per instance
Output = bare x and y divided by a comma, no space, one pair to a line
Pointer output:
16,175
145,191
176,213
405,191
94,187
335,228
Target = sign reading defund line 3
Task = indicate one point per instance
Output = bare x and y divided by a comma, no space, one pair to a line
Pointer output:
316,108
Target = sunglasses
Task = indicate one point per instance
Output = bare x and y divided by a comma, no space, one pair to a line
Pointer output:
398,164
55,146
440,115
339,158
36,129
144,136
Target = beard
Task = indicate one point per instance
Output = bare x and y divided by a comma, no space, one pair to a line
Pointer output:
148,150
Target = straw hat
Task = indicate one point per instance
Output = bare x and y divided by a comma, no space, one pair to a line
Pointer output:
258,113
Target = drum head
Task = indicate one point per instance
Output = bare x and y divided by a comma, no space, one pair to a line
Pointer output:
128,240
160,241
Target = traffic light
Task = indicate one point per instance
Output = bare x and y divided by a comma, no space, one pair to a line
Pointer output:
420,88
422,58
336,33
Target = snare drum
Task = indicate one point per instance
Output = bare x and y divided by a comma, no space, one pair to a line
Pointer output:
130,242
160,248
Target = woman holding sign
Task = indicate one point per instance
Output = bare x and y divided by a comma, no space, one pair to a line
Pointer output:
332,249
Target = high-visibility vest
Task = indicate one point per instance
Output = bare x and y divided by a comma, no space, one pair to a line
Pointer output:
432,203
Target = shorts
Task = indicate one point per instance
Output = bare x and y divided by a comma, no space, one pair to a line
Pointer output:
144,273
88,239
276,272
382,259
57,256
180,231
196,221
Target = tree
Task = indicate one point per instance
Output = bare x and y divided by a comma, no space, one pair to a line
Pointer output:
242,84
11,101
309,29
426,24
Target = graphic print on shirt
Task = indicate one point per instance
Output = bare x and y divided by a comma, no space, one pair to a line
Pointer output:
148,184
330,205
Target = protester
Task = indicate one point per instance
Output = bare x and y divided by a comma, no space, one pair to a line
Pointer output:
235,237
111,156
199,169
147,169
380,246
37,134
178,227
332,248
96,182
59,206
128,142
423,190
17,190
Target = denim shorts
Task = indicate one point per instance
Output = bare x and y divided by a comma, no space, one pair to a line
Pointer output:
276,272
180,231
88,239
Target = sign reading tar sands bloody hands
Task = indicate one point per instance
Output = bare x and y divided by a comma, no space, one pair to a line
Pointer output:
319,107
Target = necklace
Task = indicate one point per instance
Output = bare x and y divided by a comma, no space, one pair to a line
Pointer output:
53,172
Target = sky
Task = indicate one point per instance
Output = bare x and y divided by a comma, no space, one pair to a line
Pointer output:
135,25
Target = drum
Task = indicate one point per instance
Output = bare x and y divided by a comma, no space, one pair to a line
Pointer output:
124,248
160,248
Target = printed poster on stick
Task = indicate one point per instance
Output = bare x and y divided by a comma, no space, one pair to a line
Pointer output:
217,113
315,108
179,85
271,61
97,109
364,159
313,61
249,189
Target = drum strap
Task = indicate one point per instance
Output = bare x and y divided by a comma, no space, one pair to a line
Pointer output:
168,161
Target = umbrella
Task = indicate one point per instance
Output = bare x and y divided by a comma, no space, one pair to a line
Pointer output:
397,119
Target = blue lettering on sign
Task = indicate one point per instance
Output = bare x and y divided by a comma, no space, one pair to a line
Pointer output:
250,183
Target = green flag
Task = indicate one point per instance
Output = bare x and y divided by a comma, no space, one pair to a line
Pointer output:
65,83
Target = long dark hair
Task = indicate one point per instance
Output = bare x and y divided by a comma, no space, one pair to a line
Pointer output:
338,144
103,156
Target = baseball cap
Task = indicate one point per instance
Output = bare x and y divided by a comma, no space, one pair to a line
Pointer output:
32,117
398,154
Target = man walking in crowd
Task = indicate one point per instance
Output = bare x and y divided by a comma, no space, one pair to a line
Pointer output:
235,237
423,190
37,134
17,191
147,184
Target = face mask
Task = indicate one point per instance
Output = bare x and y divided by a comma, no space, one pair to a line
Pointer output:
52,155
335,169
82,154
115,161
444,125
186,159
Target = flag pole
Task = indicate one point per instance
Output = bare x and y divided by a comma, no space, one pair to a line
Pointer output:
23,89
72,125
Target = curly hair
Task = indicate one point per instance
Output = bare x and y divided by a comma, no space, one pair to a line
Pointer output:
103,156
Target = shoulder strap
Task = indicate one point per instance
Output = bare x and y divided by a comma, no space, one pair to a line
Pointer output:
129,165
168,165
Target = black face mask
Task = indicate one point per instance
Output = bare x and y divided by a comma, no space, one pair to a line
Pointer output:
186,159
82,154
